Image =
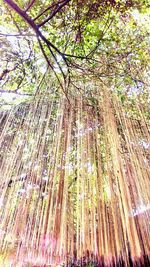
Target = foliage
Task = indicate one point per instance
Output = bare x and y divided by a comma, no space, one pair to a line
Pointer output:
77,40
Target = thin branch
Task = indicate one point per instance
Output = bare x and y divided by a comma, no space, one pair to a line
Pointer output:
78,88
54,13
51,66
47,9
30,5
42,79
56,61
22,13
6,71
33,26
14,21
107,25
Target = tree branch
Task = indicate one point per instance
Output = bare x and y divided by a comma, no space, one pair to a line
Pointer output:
107,26
6,71
54,13
30,5
51,66
47,9
33,26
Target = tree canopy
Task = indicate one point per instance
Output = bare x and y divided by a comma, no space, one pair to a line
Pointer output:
76,40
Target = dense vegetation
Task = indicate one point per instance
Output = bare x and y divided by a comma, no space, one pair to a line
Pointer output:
77,40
